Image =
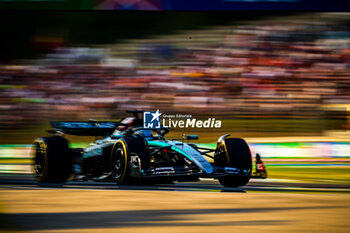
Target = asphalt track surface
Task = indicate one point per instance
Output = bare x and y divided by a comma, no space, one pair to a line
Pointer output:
15,181
27,206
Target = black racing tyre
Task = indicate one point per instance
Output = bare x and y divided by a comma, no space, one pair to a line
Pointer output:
52,159
237,155
120,159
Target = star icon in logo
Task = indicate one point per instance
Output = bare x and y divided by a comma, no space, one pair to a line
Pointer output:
156,115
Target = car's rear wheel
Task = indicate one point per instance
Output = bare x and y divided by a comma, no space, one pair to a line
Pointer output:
120,163
52,160
234,152
122,151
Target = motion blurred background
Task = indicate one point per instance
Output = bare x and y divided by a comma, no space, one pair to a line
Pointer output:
281,80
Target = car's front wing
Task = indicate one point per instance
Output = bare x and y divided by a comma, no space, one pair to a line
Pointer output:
193,171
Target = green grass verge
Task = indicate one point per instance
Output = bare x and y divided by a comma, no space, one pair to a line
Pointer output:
313,174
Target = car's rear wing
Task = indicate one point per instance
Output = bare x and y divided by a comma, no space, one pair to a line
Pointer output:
85,128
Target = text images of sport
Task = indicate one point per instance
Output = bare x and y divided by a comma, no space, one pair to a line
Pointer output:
192,123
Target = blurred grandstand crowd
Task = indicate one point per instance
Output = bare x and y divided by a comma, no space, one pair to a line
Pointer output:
276,71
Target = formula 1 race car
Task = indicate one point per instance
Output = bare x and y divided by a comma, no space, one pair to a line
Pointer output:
127,153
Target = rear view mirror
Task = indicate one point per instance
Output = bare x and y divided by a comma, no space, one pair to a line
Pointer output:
192,137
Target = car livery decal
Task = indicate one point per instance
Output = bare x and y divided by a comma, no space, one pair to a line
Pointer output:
189,152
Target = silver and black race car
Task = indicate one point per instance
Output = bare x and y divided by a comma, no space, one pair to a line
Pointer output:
127,153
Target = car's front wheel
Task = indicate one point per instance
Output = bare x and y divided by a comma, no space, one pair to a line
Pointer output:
234,152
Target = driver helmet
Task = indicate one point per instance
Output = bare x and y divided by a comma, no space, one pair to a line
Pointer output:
129,122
